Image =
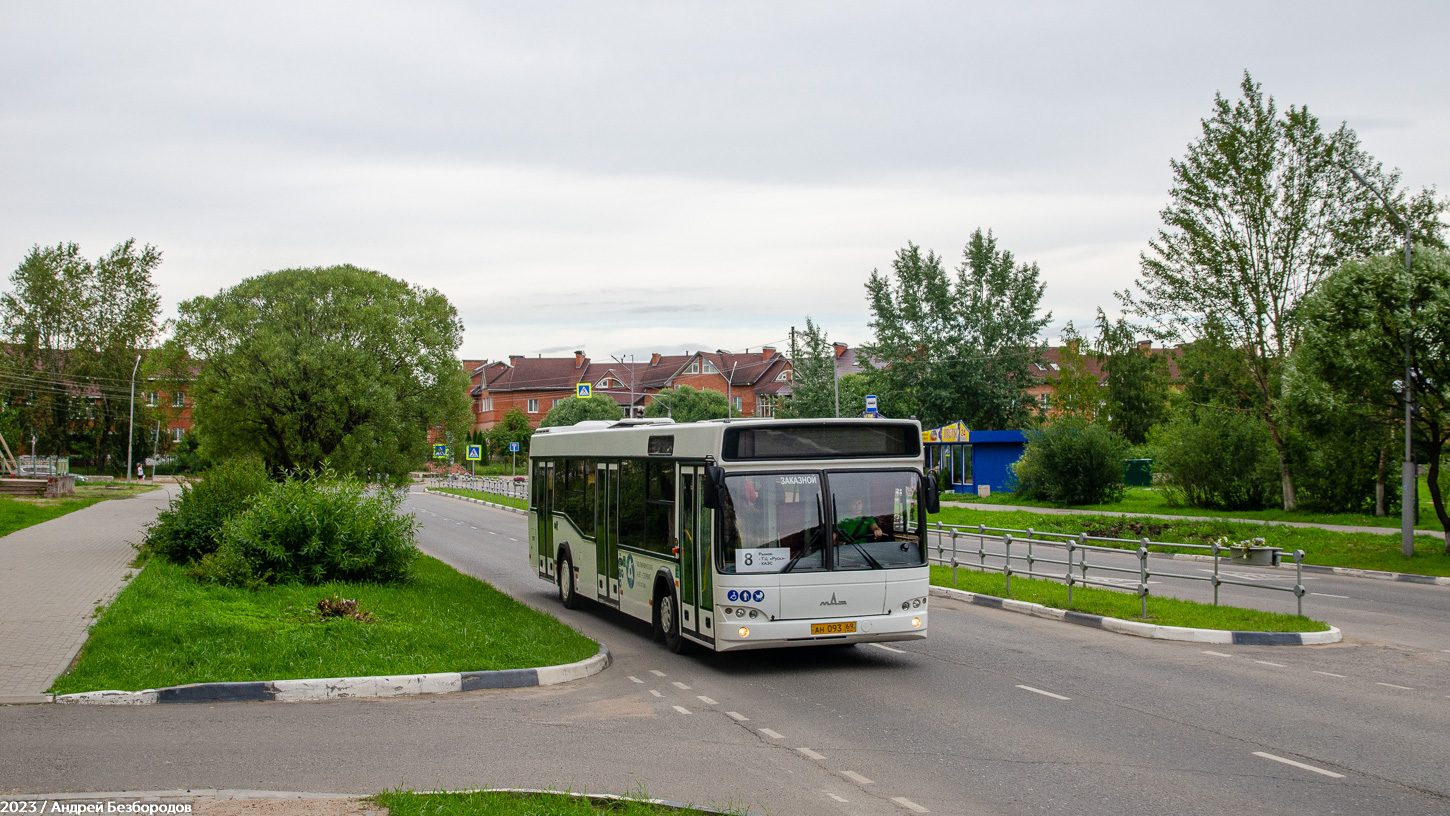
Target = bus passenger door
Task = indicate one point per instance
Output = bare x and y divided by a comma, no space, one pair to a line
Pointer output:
543,484
606,534
694,526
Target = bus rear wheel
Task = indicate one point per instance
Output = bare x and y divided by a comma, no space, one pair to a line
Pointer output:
568,593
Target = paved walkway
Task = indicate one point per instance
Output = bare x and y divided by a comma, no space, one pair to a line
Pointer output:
1062,511
52,576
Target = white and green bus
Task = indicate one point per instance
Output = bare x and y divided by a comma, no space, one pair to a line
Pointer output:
738,534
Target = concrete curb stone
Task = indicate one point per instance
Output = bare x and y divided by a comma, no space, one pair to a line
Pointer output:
430,491
335,688
1146,630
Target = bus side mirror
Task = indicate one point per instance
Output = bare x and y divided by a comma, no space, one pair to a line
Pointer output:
933,495
710,490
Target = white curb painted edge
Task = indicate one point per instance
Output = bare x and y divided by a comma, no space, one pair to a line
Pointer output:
1147,630
337,688
430,491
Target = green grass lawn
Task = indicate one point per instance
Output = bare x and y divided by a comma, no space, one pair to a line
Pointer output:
1359,550
1151,500
1114,604
496,498
166,629
1362,551
499,803
18,513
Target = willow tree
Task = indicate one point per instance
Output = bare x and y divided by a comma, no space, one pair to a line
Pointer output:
338,364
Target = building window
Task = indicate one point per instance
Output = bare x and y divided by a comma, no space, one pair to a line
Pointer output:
694,367
783,376
1046,401
151,399
765,406
710,368
533,406
553,404
177,433
738,402
179,400
485,405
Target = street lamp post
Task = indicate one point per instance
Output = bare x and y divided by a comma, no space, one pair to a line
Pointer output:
730,388
131,433
1408,477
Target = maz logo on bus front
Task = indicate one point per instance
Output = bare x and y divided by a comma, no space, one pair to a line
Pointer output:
795,480
833,601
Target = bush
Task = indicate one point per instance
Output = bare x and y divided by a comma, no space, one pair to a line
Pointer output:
1072,461
1217,459
325,528
192,526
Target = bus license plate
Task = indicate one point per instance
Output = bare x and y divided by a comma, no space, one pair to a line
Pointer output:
846,628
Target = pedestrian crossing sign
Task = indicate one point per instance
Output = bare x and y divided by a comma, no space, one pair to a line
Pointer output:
440,451
475,453
582,390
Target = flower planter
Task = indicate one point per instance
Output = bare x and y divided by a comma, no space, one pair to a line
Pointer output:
1257,556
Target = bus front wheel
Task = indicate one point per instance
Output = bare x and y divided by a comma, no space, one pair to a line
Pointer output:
568,593
667,620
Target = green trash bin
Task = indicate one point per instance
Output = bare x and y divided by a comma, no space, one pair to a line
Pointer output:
1138,472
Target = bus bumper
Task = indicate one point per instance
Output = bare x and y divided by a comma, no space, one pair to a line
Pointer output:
777,634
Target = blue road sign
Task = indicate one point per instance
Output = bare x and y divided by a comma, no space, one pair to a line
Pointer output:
513,447
475,453
440,451
582,390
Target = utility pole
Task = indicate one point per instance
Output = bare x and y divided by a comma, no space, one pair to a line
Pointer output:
836,380
730,391
155,450
1409,484
131,433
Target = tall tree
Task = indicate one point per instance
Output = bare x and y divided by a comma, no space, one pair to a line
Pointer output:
75,329
513,427
570,411
686,404
1262,207
335,364
813,375
1138,387
1076,392
1355,330
950,348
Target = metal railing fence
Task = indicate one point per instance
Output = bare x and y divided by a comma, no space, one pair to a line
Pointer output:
481,486
1075,568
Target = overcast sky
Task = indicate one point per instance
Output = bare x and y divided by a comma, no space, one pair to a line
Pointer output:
628,177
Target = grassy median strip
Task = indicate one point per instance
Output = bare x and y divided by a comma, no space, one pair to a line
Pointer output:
19,513
1358,550
166,629
503,803
1113,604
496,498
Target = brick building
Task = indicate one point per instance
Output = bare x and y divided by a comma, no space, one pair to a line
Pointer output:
755,383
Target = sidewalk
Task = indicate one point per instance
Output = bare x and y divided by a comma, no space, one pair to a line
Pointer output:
52,576
1061,511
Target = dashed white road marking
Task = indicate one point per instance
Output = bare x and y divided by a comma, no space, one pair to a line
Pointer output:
812,754
657,673
706,700
1331,774
682,709
1328,674
883,647
655,693
511,538
1267,663
635,679
681,686
837,798
771,734
909,805
491,532
1327,595
736,716
1392,685
855,777
1043,693
1216,654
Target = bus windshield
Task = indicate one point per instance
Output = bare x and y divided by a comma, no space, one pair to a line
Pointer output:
778,522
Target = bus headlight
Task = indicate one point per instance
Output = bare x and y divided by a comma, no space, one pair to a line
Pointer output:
745,631
916,623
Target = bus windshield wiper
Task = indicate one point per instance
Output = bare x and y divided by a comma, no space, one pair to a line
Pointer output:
873,562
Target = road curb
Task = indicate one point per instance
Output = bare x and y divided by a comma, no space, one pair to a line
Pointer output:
335,688
430,491
1145,630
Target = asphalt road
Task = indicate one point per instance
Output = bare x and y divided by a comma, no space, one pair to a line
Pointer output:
994,713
